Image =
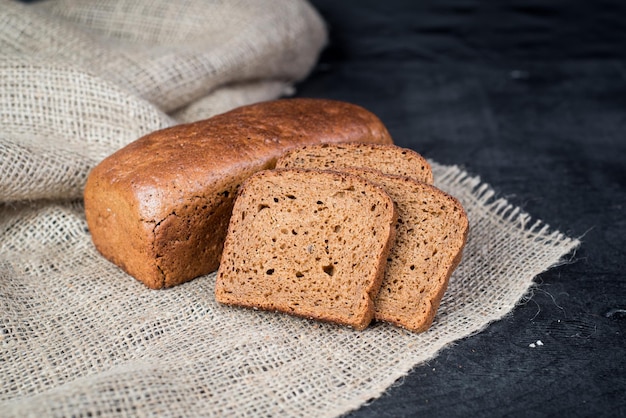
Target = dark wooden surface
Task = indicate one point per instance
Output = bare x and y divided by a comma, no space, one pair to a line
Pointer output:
531,96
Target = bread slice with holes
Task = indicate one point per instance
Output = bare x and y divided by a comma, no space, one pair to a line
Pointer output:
431,233
309,243
388,158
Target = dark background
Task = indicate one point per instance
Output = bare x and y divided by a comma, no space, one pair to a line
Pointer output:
531,96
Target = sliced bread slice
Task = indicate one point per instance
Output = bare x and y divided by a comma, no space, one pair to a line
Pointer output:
431,232
309,243
388,158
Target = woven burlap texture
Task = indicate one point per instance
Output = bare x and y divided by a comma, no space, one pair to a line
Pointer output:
78,337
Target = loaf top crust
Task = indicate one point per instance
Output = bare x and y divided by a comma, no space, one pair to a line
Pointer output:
309,243
171,164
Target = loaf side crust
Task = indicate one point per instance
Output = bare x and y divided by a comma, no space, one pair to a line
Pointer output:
159,207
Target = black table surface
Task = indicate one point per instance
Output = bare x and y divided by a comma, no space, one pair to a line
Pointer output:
531,96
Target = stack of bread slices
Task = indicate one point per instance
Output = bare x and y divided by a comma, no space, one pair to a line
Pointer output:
345,233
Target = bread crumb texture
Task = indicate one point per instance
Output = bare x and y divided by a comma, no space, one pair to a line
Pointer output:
309,243
431,230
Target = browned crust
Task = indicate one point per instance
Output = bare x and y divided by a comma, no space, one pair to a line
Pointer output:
183,172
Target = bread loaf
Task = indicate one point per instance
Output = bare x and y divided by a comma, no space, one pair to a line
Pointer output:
309,243
387,158
431,232
159,207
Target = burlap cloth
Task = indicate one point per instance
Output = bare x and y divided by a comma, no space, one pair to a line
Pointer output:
78,80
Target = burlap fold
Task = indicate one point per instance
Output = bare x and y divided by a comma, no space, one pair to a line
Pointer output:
78,336
79,79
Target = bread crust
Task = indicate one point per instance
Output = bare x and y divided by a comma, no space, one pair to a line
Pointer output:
159,207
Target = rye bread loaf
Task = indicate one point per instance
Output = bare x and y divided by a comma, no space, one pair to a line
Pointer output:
159,207
308,243
431,232
387,158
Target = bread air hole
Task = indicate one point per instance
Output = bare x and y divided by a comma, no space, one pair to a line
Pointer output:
262,206
330,269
